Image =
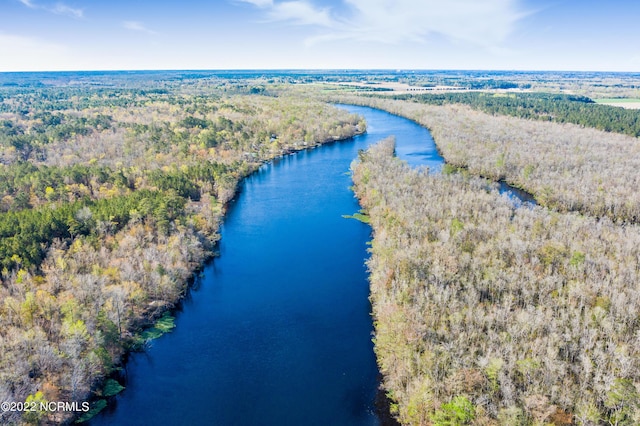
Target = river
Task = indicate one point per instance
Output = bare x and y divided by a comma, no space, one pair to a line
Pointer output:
277,330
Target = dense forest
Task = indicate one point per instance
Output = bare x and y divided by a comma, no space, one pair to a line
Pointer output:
564,166
558,108
112,187
490,314
110,200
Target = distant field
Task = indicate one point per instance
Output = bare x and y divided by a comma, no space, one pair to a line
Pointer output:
629,103
398,87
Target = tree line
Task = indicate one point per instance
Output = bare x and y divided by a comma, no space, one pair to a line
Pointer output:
558,108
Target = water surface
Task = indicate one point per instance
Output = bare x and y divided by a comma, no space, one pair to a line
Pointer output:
278,328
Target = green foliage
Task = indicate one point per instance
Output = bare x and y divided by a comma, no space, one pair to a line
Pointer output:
28,233
450,169
190,122
360,216
48,183
111,387
108,328
176,181
588,413
34,417
622,401
577,258
552,254
543,106
105,358
456,226
460,411
492,371
164,325
98,406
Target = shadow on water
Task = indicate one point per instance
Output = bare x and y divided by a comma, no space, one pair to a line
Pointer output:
515,193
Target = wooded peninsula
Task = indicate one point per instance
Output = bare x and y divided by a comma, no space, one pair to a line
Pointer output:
489,312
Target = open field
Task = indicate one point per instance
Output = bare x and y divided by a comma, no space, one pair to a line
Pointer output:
623,103
396,88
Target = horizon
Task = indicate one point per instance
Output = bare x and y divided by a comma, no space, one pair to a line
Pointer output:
323,70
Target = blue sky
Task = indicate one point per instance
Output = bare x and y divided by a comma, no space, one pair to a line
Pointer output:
582,35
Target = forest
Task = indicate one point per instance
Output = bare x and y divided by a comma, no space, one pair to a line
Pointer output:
113,186
110,202
487,313
559,108
564,166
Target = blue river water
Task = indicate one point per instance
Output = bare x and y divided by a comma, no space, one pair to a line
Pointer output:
277,330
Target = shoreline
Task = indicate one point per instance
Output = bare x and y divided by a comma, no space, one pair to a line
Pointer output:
147,322
383,405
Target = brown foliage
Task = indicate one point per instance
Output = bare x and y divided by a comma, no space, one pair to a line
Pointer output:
564,166
530,314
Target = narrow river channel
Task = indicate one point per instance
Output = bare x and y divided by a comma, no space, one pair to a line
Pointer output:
277,331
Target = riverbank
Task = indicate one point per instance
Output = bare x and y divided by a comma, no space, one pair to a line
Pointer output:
565,167
481,307
148,319
118,219
284,305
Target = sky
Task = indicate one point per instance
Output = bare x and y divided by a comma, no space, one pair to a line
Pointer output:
569,35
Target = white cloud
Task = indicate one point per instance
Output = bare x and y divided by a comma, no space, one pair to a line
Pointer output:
63,9
58,8
28,3
300,13
485,23
137,26
259,3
